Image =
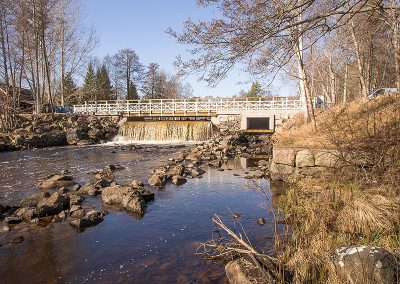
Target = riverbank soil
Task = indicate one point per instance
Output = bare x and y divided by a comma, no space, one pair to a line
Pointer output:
344,226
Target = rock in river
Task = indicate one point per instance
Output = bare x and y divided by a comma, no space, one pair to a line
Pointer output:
34,199
157,180
56,181
178,180
125,197
53,205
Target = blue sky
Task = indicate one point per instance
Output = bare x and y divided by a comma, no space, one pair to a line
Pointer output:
141,24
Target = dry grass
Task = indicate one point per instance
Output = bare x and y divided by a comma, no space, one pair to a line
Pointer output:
323,215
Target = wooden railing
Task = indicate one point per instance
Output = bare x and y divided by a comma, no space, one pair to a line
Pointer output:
189,106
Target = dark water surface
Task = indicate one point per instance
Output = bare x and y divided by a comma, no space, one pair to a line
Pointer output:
158,248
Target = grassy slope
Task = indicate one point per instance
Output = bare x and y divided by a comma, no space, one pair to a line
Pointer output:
324,214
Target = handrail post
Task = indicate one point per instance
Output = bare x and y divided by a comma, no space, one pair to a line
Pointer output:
86,106
161,106
127,106
286,106
273,103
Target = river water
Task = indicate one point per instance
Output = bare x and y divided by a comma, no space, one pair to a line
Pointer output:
157,248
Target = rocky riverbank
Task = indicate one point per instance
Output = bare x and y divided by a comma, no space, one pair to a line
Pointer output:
58,130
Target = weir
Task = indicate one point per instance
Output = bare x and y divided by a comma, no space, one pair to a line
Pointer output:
166,130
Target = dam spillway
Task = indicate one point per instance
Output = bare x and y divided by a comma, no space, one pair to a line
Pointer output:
166,130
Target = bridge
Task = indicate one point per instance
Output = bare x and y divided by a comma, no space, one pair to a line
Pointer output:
271,109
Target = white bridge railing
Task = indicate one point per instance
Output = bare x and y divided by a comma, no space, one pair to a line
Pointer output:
189,106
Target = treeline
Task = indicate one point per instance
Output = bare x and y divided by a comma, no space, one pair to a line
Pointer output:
45,46
42,43
122,76
339,50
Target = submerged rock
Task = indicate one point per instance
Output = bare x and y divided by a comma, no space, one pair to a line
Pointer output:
235,273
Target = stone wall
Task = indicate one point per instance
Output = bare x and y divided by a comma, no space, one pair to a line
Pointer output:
227,122
300,162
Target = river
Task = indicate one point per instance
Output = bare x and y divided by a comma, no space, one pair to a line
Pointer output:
158,248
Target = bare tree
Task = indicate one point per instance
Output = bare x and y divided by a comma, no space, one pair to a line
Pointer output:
265,36
127,67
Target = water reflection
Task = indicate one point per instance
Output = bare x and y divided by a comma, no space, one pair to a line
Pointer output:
158,248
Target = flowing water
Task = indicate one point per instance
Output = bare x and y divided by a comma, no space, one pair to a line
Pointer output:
166,130
157,248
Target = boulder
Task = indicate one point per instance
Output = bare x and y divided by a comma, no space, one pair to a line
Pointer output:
12,220
102,183
365,264
258,174
88,189
196,172
75,199
125,197
27,213
178,180
280,171
236,274
137,183
79,213
81,223
56,181
263,163
76,187
157,180
2,208
74,135
53,205
177,170
146,194
106,174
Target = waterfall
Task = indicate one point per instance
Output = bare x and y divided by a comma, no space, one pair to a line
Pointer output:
166,130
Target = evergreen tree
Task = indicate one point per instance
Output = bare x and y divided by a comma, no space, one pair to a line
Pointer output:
133,94
70,89
255,91
103,84
89,86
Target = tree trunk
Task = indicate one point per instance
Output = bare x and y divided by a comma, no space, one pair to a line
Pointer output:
360,65
396,42
346,77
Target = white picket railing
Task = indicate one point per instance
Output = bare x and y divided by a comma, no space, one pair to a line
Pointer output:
189,106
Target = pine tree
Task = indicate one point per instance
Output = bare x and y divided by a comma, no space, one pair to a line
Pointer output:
70,89
255,91
89,86
133,94
103,84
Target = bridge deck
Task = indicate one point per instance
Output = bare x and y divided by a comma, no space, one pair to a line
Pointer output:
189,107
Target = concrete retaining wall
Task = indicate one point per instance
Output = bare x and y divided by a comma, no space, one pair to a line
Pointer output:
299,162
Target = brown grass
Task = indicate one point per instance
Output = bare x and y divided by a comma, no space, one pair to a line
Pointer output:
323,215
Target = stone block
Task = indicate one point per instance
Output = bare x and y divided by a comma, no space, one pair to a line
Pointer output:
304,158
284,156
326,158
